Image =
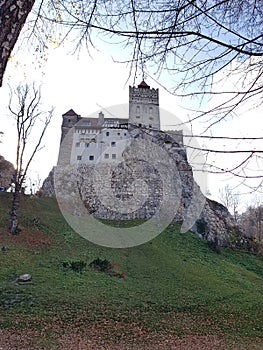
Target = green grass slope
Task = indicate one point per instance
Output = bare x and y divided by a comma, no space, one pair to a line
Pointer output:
175,291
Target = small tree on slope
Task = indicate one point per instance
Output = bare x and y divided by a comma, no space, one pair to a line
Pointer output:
24,106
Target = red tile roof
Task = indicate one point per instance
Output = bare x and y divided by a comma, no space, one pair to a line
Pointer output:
143,85
70,113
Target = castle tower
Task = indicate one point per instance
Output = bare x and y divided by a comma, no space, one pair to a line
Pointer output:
69,120
144,106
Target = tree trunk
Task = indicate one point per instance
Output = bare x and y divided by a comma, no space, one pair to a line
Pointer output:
14,212
13,14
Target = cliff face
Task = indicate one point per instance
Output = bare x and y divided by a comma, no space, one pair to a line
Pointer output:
153,180
6,172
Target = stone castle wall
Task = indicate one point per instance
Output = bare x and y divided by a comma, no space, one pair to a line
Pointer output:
66,148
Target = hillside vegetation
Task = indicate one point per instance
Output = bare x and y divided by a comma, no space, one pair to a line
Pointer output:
170,293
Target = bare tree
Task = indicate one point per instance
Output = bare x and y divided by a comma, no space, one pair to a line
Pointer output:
24,105
252,222
259,219
184,43
230,199
192,39
34,184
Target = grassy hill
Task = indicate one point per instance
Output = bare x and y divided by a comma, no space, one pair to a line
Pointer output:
176,293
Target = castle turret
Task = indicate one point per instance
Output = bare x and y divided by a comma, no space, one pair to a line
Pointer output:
144,106
70,118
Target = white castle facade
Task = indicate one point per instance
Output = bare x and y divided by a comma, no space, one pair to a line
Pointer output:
89,140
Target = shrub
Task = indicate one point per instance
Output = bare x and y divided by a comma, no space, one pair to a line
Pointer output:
100,265
108,267
76,266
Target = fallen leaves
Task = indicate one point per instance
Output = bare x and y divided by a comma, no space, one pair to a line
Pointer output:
76,331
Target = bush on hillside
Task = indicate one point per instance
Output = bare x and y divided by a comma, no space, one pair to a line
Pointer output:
108,267
74,265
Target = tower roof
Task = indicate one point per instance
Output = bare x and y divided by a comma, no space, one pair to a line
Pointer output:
143,85
70,113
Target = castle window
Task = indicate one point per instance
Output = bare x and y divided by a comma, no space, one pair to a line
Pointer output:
138,117
91,157
124,134
113,144
107,133
113,156
77,144
151,118
87,145
138,111
106,156
118,133
79,157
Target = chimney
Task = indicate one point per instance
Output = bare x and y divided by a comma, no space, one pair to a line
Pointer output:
101,118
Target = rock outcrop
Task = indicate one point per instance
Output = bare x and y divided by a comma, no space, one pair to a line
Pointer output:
154,176
6,172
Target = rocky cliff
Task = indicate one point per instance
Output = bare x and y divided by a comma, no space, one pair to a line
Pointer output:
154,179
6,172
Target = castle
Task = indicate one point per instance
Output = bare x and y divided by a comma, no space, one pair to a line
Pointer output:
89,140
